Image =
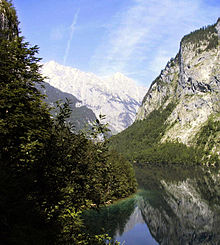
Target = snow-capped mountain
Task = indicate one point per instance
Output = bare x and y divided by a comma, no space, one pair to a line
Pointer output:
118,97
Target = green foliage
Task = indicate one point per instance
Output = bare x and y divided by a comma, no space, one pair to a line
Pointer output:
111,219
206,35
206,136
207,139
48,174
9,21
133,141
122,182
24,130
169,153
75,232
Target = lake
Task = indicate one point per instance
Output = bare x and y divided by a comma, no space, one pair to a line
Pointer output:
174,205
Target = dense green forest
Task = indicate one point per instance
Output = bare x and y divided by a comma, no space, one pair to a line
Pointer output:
140,143
48,173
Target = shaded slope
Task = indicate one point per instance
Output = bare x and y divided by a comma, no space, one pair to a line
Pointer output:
80,117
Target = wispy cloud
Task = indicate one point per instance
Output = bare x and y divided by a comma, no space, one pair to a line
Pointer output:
57,33
72,29
146,33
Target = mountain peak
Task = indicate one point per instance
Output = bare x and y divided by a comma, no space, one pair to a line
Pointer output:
53,64
119,75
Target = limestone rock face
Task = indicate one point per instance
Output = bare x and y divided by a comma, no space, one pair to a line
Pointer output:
192,82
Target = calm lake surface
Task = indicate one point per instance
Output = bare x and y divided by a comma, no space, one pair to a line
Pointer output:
173,206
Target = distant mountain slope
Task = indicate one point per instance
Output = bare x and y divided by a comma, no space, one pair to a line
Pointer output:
81,116
117,97
182,104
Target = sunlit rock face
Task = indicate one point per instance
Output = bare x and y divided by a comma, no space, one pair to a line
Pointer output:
192,81
188,212
118,97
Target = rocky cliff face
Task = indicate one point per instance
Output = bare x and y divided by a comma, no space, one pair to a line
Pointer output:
192,82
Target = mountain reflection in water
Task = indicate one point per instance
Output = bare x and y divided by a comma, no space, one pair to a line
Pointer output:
174,206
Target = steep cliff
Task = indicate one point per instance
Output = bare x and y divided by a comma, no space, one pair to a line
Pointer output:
191,82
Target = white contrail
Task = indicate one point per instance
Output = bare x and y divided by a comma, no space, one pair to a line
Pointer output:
72,28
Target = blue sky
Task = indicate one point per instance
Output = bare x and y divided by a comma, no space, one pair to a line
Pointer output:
135,37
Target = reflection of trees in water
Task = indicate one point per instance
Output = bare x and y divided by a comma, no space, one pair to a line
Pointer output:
181,210
111,220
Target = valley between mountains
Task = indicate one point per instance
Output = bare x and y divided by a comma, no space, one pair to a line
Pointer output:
157,174
181,107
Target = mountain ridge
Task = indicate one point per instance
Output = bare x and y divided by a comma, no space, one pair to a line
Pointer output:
117,96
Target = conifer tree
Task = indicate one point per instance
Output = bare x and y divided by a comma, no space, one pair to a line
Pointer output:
24,125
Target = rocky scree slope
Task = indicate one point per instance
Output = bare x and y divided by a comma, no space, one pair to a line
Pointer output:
192,82
117,97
